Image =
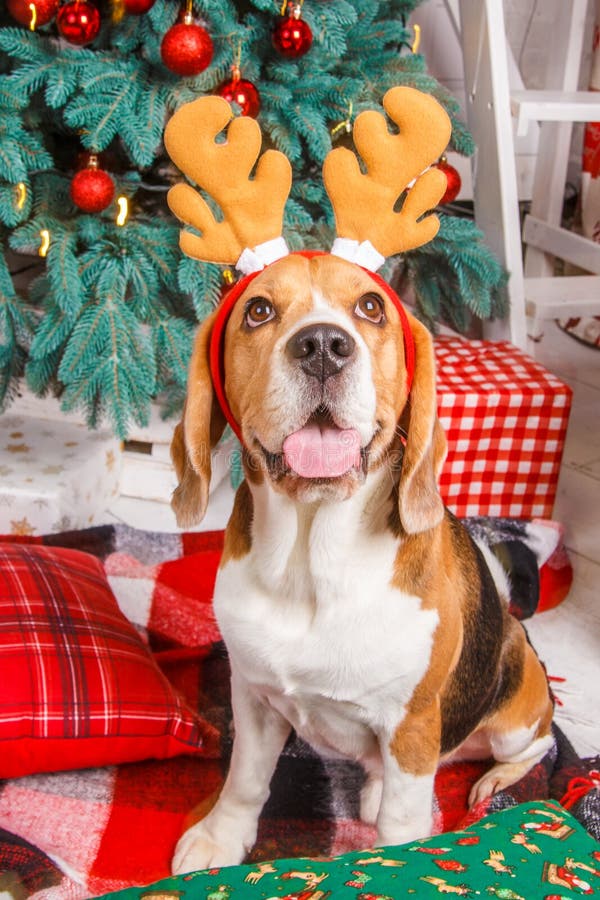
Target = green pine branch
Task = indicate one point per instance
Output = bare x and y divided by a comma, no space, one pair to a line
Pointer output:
457,263
109,324
108,362
16,328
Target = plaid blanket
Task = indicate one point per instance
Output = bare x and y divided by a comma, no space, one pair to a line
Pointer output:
76,834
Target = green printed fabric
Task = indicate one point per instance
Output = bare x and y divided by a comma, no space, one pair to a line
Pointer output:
534,851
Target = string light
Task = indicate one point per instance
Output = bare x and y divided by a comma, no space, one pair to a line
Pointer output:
346,125
123,214
21,194
417,39
33,20
296,7
118,11
45,236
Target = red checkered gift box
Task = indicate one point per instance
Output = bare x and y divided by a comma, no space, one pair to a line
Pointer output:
505,418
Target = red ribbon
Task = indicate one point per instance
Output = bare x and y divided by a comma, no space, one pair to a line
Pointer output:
556,699
580,786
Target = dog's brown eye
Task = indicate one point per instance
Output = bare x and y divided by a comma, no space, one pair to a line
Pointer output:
370,307
259,311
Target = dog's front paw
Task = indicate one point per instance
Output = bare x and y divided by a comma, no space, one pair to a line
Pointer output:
197,849
404,832
370,799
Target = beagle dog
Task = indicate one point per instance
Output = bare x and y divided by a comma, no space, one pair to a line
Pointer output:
354,607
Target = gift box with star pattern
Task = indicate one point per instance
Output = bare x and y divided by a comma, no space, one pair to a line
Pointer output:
56,475
505,418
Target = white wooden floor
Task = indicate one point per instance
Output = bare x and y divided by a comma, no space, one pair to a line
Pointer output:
568,637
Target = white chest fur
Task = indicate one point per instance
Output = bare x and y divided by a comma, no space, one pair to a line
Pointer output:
312,623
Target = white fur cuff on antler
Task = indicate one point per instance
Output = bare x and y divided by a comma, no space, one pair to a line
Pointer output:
363,254
255,259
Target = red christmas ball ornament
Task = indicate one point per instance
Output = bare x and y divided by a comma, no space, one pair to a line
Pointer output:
92,189
244,93
187,48
32,13
137,7
292,37
453,179
78,22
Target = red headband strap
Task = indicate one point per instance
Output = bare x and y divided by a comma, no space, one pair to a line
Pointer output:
217,339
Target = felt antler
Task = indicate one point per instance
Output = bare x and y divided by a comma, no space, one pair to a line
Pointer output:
364,203
252,207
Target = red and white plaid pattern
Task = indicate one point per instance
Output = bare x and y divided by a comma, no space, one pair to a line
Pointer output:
505,419
78,685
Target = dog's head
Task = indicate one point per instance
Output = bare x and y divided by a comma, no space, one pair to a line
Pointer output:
315,375
311,356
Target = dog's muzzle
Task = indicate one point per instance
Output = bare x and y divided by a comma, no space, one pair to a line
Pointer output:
320,449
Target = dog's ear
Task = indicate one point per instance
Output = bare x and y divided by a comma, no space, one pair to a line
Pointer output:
419,502
195,436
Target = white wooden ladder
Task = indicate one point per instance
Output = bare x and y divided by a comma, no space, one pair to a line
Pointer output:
535,292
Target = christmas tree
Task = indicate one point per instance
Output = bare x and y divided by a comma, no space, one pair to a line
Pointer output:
85,91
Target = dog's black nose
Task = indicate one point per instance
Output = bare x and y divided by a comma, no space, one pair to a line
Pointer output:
321,350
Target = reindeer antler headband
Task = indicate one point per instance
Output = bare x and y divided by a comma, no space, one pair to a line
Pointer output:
368,227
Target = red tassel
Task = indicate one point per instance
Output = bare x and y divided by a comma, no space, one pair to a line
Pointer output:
579,787
556,679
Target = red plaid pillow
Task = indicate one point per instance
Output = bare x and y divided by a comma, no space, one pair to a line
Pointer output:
78,687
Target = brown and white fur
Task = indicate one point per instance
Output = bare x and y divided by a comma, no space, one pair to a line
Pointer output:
355,609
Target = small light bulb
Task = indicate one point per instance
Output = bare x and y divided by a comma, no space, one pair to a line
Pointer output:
123,213
417,39
45,236
21,195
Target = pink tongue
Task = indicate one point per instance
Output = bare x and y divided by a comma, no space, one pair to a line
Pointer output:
322,451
